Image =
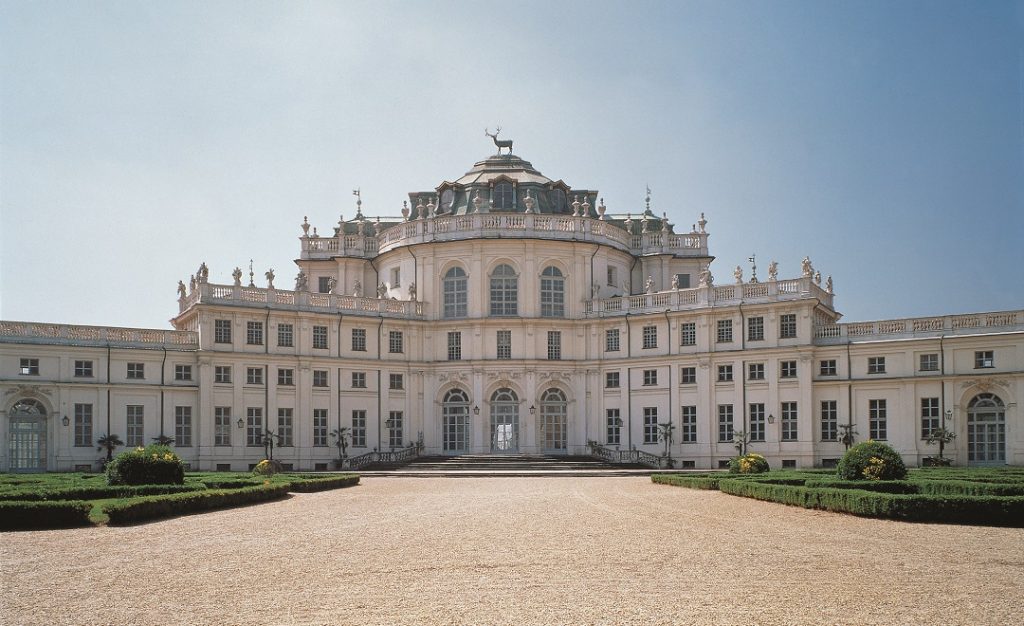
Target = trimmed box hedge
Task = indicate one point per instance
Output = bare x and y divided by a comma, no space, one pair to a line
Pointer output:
308,485
34,515
696,481
98,492
151,507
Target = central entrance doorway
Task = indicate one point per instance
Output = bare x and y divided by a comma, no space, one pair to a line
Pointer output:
504,421
27,436
986,430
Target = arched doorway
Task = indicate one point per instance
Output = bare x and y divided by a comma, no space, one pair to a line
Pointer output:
504,421
27,436
553,421
986,430
455,422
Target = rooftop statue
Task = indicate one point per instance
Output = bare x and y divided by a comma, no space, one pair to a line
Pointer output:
181,290
270,278
504,143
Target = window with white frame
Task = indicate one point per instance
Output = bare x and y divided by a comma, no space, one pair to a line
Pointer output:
502,197
650,424
687,375
611,340
359,380
611,380
320,378
222,331
724,331
613,276
554,345
454,345
984,359
83,425
254,333
359,340
755,371
135,418
787,369
929,416
650,337
183,372
396,382
552,292
789,421
614,426
878,419
319,337
285,335
827,367
787,326
650,378
724,423
285,428
285,376
876,365
359,428
929,363
724,373
395,436
455,292
688,334
254,426
83,369
504,291
254,375
222,374
756,421
183,426
688,432
396,277
222,426
396,342
504,344
755,328
319,428
829,420
136,371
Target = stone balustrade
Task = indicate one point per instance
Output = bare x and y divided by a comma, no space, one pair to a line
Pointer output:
919,327
209,293
704,297
503,225
32,332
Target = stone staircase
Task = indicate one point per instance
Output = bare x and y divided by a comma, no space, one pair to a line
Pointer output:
504,466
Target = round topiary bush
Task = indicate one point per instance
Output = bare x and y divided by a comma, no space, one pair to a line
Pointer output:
267,467
750,463
871,460
153,465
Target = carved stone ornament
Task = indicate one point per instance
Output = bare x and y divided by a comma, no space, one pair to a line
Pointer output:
529,202
28,390
985,384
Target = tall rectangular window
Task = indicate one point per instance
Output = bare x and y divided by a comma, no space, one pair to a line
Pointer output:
724,331
222,426
827,367
876,365
650,424
755,371
254,375
319,428
614,426
222,331
358,429
254,426
454,346
612,275
724,423
222,373
183,426
787,369
877,419
554,345
650,378
650,337
683,281
323,284
359,340
83,426
829,420
504,347
611,380
284,428
688,334
687,375
396,342
285,336
396,277
136,371
787,326
929,416
396,382
611,340
689,420
755,329
83,369
757,421
789,421
359,380
285,376
135,417
254,333
395,423
929,363
182,372
319,337
320,378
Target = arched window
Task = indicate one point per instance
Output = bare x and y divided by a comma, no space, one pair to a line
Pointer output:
504,291
553,421
455,421
503,197
454,288
986,430
27,436
552,292
504,421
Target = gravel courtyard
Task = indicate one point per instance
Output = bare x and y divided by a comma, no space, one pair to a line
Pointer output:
514,551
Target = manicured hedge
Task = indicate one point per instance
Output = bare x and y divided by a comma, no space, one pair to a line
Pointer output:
880,486
927,487
985,510
230,483
151,507
97,492
40,514
691,481
321,484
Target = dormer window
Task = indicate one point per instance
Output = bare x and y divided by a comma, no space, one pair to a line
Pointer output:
503,197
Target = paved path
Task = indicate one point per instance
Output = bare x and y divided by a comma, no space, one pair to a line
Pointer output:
515,551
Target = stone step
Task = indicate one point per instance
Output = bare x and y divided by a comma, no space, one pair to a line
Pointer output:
506,465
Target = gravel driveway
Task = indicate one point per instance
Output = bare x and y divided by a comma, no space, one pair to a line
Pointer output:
514,551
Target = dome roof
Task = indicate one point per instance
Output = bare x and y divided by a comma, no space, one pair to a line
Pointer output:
507,166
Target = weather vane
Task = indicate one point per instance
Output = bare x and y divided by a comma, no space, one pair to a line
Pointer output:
359,202
753,267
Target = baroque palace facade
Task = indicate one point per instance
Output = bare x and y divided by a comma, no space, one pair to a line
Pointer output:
508,313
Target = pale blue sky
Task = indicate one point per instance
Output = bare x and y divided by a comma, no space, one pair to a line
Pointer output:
883,139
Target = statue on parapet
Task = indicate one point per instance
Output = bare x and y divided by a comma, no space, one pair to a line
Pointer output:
773,271
828,285
412,291
675,282
738,275
649,284
270,278
358,289
181,290
382,291
705,279
332,282
502,143
237,275
203,274
301,281
191,283
806,269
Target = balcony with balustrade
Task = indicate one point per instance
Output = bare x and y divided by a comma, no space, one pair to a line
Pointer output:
280,299
102,336
920,327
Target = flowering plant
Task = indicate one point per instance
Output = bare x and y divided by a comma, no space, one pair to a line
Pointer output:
750,463
153,465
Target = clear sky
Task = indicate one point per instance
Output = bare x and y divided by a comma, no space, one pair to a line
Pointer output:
883,139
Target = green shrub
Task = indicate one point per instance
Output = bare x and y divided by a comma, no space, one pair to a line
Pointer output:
320,484
750,463
707,482
96,492
22,515
266,467
152,507
153,465
878,486
871,460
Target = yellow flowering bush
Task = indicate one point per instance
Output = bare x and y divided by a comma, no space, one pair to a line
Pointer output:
871,460
750,463
267,467
153,465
